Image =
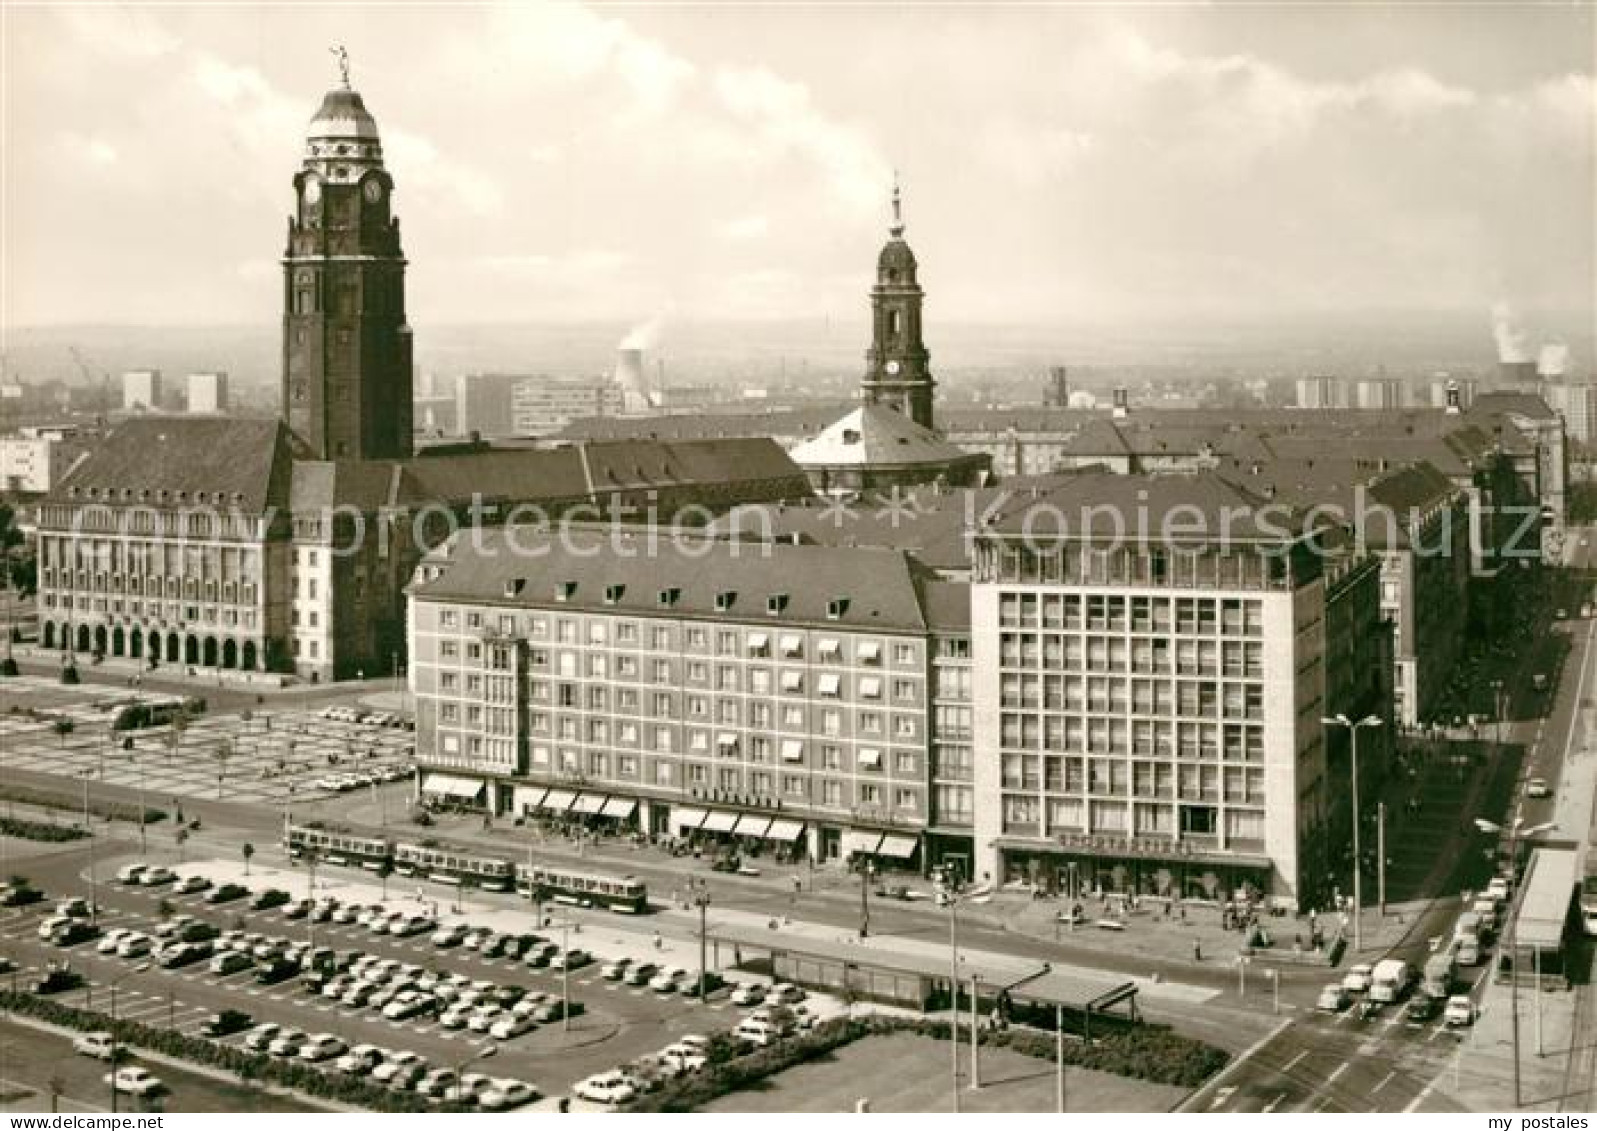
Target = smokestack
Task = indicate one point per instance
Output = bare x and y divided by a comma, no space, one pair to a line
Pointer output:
1454,399
1121,409
629,377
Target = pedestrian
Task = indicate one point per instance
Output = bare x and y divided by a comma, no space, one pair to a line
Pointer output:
1197,951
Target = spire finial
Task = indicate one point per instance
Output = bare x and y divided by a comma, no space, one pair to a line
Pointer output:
343,63
898,210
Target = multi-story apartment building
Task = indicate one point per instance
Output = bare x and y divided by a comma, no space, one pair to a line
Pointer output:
1152,659
686,686
32,460
540,406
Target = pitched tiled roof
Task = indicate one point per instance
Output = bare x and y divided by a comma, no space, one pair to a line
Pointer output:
789,424
1510,401
620,571
947,606
186,461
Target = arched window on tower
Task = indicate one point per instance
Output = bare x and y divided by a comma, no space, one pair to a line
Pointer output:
895,322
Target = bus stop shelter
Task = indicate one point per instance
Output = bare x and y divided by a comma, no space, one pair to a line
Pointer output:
1541,929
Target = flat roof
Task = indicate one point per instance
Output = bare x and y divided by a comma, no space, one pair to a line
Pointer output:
1026,979
1544,906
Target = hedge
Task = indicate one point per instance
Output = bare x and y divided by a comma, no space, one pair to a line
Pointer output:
247,1066
49,799
39,830
1145,1052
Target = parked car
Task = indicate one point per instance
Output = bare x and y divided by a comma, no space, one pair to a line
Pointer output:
229,962
510,1026
183,954
135,945
684,1057
76,908
1333,998
112,939
412,1003
74,931
573,959
288,1042
226,1023
280,971
639,973
758,1033
227,893
451,935
135,1081
192,885
556,1010
506,1095
402,1064
749,993
1422,1008
57,980
667,981
19,895
322,1046
434,1084
475,937
1537,787
268,899
360,1060
786,993
131,873
615,970
99,1045
260,1037
156,876
611,1088
298,909
712,982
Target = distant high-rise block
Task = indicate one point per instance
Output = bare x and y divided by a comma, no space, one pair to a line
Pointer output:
207,392
141,390
1321,391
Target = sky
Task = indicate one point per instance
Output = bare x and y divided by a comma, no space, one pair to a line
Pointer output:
570,162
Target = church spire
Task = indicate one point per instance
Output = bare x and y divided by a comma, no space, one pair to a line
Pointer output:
897,372
897,228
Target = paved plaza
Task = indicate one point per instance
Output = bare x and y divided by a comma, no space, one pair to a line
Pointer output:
265,758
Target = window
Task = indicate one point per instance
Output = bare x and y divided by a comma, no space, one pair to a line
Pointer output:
904,690
905,762
903,654
906,799
870,794
831,793
447,618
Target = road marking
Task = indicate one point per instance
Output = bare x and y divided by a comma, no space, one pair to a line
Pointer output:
1272,1104
1343,1067
1295,1061
1385,1080
1221,1096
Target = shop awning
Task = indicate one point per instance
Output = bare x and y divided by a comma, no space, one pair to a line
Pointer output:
687,820
784,831
792,750
619,807
718,822
752,825
897,847
448,785
529,797
558,800
589,803
853,841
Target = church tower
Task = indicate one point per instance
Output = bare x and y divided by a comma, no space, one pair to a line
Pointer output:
346,345
897,373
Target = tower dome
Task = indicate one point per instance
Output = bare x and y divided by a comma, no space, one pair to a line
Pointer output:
341,142
896,264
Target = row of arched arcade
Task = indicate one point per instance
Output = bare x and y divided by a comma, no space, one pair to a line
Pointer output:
153,644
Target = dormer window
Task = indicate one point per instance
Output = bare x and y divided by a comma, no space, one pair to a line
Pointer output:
565,591
850,436
775,604
724,600
669,597
514,586
612,593
836,607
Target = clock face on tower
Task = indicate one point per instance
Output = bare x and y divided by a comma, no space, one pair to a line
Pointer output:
373,191
892,369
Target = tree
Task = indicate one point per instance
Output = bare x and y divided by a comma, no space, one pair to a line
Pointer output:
181,836
248,850
63,727
56,1085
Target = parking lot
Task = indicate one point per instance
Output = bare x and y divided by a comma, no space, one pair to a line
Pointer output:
270,757
615,1023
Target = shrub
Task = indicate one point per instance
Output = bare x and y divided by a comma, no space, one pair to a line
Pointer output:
37,830
49,799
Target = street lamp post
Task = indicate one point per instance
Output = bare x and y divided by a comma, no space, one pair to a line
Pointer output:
1515,832
948,896
701,900
481,1052
1358,861
115,982
866,867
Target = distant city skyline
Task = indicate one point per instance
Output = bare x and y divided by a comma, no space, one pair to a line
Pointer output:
570,162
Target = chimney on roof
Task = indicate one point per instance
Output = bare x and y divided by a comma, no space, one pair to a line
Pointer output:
1121,409
1454,399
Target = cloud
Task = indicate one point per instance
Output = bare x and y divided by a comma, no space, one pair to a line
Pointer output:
785,121
746,227
89,149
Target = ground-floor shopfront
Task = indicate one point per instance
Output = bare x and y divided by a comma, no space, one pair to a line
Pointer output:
1082,872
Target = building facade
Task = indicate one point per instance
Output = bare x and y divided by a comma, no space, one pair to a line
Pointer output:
1149,707
207,393
693,689
541,406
